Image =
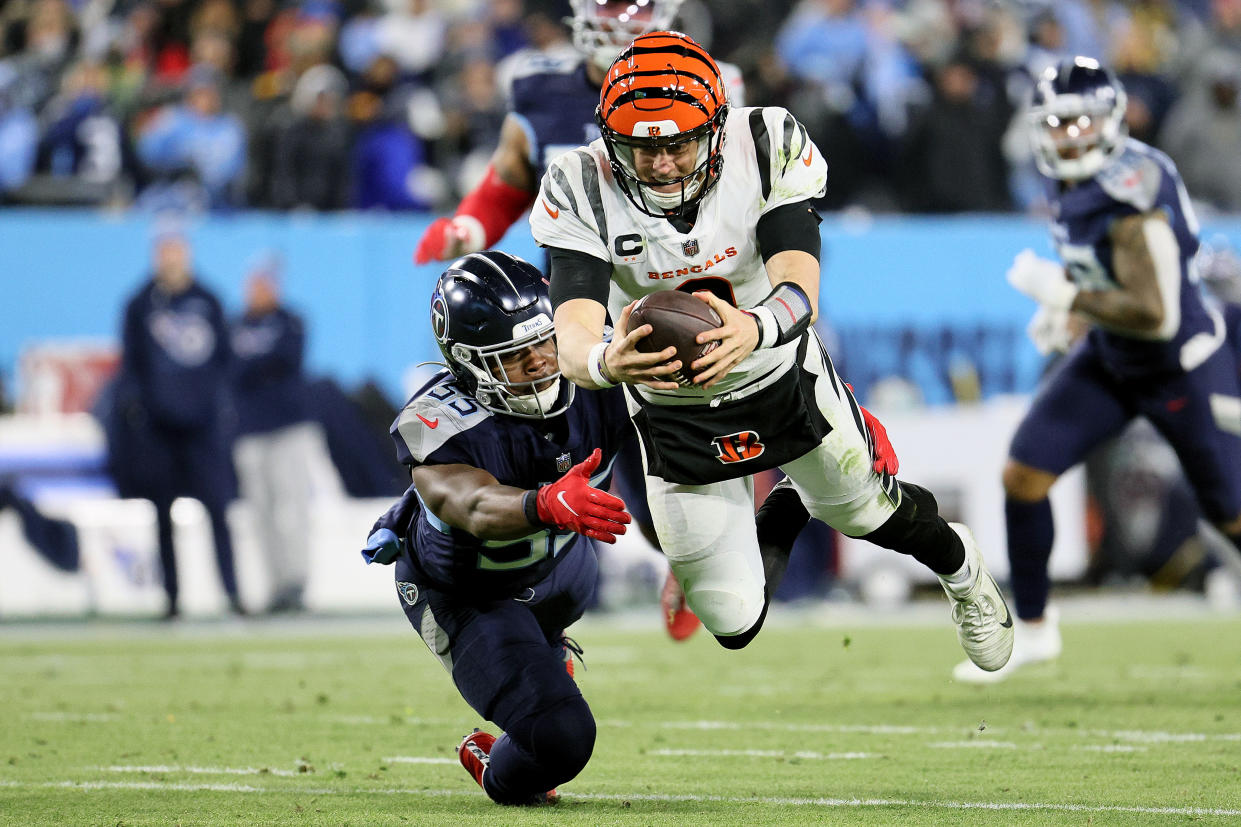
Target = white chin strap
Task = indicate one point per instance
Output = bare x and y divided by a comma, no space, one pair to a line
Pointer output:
536,403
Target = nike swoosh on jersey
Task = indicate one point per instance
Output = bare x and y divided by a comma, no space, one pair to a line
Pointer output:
560,496
809,156
550,211
430,423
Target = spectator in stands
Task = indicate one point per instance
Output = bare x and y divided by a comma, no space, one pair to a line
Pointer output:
167,437
387,157
80,153
1202,133
196,139
276,441
19,135
310,150
966,119
49,39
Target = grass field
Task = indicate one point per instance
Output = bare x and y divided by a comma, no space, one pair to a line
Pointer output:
844,722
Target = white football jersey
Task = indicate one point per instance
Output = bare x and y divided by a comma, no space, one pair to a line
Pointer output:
769,161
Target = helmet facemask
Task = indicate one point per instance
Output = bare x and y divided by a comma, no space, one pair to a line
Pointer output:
603,28
540,398
1074,135
690,188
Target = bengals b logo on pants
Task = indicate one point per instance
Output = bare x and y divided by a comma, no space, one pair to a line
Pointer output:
738,447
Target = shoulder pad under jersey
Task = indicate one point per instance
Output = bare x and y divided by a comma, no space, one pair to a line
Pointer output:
1133,179
435,416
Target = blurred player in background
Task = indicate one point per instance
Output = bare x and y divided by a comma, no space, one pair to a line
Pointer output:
509,464
1126,235
276,437
168,437
553,101
681,192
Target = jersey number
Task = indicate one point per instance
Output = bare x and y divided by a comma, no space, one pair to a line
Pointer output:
544,544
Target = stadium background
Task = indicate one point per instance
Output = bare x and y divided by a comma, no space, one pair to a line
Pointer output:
915,104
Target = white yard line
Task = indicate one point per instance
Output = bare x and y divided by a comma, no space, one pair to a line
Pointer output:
826,803
202,770
1144,736
418,759
761,753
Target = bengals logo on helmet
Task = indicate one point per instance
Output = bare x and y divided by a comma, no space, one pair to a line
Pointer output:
738,447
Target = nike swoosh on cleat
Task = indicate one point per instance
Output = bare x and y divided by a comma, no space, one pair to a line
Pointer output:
550,211
560,496
430,423
809,157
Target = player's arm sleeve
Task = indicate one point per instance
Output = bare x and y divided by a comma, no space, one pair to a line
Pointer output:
577,275
792,226
790,166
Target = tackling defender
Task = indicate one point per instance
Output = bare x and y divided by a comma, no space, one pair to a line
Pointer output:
1126,235
508,465
682,192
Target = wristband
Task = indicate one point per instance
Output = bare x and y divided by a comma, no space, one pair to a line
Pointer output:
785,314
596,368
530,506
768,329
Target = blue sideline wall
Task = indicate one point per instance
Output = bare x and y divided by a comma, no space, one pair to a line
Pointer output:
67,274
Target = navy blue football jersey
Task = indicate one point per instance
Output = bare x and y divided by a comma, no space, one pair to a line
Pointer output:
442,425
554,102
1139,180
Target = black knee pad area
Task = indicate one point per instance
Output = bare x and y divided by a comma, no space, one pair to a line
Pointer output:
562,737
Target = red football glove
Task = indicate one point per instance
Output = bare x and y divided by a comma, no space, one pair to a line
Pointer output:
570,502
449,238
882,452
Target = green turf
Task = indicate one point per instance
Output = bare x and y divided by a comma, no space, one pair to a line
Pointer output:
1139,723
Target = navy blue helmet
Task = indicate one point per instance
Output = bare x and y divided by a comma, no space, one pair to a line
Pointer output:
489,306
1077,119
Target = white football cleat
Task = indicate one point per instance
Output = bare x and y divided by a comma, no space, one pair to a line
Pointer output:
1034,643
984,623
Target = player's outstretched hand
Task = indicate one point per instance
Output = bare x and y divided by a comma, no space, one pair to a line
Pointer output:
1042,280
572,503
738,336
449,238
627,364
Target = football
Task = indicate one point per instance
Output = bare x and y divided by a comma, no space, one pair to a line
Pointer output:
676,318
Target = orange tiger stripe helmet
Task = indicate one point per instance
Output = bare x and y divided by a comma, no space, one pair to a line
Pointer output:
664,91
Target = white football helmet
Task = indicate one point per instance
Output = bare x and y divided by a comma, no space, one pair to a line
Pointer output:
602,28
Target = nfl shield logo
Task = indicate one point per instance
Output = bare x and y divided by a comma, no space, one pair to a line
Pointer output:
563,463
690,248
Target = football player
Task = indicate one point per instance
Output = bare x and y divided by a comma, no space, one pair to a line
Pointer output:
553,103
683,192
1126,236
508,466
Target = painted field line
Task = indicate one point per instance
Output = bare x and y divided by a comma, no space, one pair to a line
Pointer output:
1110,748
973,745
418,759
1145,736
827,803
761,753
161,768
74,717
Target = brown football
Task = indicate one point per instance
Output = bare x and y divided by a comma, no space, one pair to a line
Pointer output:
676,318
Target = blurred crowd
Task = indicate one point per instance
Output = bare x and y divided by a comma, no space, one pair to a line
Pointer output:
397,104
